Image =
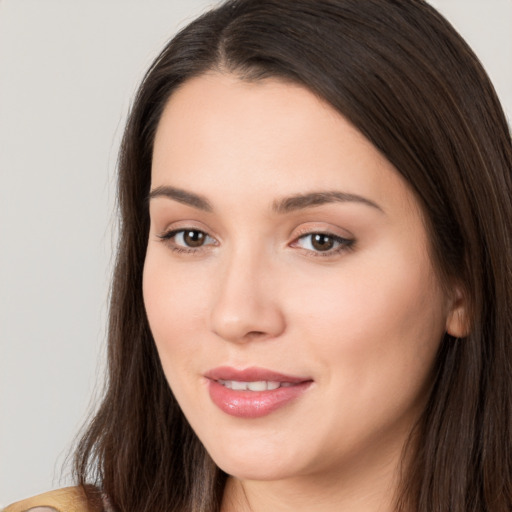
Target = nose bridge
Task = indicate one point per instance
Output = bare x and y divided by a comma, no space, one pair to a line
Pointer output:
244,306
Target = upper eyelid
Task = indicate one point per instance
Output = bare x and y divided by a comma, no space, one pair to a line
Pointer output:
340,239
296,236
184,225
169,233
326,230
325,233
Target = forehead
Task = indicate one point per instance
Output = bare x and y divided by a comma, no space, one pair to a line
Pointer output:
220,133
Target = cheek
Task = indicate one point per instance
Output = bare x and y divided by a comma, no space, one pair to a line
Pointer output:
375,326
175,306
373,335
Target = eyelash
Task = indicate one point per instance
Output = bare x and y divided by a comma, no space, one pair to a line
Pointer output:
345,244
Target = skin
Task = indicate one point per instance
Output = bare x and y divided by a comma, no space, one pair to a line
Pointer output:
363,320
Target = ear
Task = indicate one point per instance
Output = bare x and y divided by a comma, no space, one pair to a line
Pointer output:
457,321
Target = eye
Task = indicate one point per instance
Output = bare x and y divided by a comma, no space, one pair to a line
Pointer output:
187,239
323,243
190,238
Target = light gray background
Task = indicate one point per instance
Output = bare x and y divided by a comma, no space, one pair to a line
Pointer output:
68,69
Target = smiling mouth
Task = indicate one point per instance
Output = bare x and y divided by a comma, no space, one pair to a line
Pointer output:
253,392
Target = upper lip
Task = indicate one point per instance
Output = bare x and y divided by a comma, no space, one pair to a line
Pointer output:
252,374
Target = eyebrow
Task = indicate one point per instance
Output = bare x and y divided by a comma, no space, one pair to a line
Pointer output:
285,205
182,196
312,199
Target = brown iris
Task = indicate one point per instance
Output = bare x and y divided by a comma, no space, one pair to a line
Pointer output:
322,242
194,238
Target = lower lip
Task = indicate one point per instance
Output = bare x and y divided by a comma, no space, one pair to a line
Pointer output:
253,404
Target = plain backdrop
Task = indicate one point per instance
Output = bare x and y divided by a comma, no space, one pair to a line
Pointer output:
68,71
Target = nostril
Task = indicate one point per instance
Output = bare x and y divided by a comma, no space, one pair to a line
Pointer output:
255,334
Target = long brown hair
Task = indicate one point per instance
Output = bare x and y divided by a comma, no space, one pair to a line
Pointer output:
402,75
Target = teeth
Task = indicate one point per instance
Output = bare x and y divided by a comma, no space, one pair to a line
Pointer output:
260,385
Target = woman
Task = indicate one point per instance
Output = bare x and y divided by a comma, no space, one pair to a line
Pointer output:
311,306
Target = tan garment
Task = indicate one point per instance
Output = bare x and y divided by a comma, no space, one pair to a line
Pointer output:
68,499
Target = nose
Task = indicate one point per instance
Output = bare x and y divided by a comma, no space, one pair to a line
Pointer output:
246,306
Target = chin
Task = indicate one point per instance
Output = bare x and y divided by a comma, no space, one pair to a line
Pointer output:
255,462
254,470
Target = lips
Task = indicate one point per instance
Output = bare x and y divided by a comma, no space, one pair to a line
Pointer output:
253,392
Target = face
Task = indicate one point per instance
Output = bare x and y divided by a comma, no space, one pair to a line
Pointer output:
287,282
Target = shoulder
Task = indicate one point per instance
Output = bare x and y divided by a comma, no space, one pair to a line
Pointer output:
68,499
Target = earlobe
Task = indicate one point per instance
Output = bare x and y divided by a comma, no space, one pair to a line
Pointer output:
457,321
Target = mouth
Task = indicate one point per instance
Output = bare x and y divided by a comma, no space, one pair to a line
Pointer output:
253,392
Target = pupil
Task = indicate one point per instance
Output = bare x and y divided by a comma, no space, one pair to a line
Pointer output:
194,238
322,242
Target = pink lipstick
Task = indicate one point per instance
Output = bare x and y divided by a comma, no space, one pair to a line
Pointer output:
253,392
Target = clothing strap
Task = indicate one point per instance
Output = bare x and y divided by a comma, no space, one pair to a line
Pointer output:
68,499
